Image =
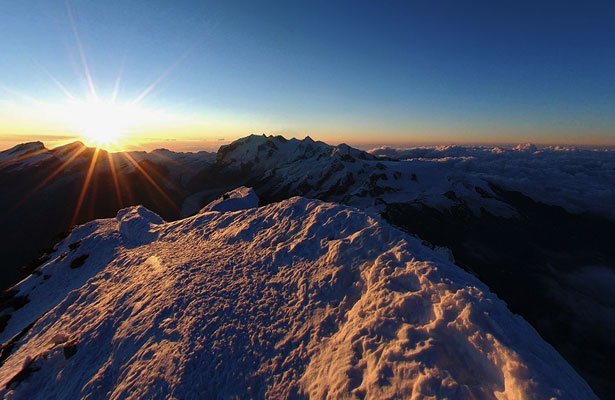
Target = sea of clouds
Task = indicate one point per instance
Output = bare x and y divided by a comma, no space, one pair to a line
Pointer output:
582,180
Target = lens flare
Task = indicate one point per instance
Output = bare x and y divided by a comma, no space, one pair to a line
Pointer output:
102,123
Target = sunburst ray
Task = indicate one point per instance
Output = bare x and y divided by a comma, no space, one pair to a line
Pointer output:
85,186
80,48
151,180
116,182
145,92
50,177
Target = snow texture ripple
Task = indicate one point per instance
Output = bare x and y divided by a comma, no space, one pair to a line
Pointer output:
300,298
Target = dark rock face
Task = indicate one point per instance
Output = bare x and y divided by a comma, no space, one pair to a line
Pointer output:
546,265
79,261
69,349
10,299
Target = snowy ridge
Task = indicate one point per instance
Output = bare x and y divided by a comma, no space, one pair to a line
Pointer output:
25,153
279,168
181,166
441,177
265,152
296,298
21,149
241,198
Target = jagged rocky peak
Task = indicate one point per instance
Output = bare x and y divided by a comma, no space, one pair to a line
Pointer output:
265,151
259,148
349,153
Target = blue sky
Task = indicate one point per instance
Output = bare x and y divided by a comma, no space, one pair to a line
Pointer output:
357,71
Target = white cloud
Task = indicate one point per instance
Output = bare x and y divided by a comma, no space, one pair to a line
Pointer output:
580,180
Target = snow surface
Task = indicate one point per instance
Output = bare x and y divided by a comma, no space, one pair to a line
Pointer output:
241,198
295,298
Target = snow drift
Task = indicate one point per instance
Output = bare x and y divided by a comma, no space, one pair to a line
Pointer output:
297,298
239,199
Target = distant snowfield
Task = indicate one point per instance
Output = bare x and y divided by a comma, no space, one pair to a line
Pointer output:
580,180
297,298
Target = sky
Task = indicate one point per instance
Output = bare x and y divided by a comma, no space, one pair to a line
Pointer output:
193,74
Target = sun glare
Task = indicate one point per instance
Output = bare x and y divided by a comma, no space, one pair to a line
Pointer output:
102,123
97,120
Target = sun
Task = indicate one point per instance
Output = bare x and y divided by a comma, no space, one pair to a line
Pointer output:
100,123
98,117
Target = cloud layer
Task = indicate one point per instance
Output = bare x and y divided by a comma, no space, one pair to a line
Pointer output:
580,180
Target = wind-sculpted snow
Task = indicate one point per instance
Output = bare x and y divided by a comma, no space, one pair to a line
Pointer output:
136,225
297,298
580,180
69,267
241,198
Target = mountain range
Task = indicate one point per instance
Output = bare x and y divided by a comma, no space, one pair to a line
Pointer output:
533,224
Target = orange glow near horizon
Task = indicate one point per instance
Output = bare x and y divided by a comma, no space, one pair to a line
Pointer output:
100,117
104,123
97,121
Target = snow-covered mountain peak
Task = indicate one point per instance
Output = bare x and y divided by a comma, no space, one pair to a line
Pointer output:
21,149
68,149
297,298
279,168
266,152
526,148
24,152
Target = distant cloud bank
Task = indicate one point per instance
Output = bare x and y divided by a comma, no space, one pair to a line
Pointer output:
581,180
